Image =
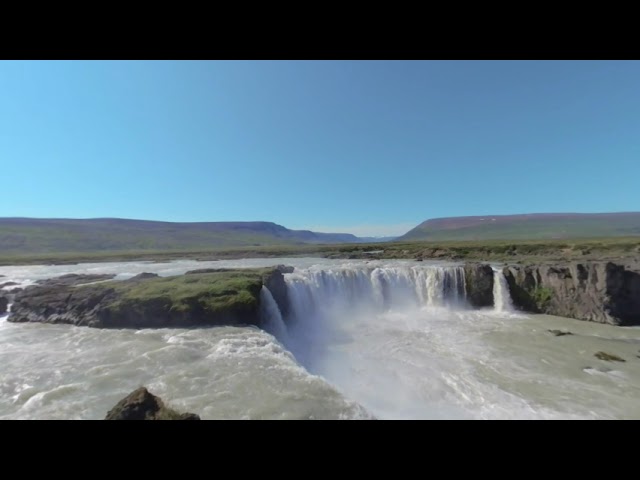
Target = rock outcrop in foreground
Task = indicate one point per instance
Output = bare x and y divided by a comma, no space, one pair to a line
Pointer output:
142,405
602,292
215,297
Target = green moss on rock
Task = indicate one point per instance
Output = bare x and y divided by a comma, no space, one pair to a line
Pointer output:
542,296
218,297
213,292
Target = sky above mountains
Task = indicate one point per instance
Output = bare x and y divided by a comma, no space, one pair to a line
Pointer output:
370,148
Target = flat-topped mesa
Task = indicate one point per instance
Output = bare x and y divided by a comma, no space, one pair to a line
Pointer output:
602,292
230,297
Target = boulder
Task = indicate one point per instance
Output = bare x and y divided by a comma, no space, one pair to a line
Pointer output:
559,333
142,405
608,357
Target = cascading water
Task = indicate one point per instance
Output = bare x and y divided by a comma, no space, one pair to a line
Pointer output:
501,296
378,288
321,301
385,337
270,315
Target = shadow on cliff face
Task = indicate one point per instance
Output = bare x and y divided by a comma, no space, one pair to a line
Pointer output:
623,289
599,292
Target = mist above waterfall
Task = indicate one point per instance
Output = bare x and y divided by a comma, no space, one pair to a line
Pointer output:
376,332
324,301
402,340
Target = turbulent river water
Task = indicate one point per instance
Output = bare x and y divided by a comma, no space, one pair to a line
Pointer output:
360,340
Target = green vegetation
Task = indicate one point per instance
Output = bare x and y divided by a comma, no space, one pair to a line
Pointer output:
608,357
488,250
206,292
542,296
207,298
52,236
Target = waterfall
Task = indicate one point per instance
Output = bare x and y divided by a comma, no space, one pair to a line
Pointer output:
271,317
501,296
323,300
313,291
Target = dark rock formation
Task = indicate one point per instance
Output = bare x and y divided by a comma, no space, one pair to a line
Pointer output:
274,281
72,279
142,405
62,304
8,284
4,302
479,284
608,357
9,296
231,297
284,268
602,292
559,333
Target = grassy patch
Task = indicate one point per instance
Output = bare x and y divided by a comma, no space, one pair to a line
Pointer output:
208,292
542,296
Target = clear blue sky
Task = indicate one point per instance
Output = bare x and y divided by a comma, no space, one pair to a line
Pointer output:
370,148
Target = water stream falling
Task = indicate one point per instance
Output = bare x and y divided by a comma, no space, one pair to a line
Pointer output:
270,315
501,296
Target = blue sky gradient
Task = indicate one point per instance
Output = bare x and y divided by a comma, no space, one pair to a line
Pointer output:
371,148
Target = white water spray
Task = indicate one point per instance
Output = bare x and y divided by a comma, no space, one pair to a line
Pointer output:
323,301
380,288
501,296
392,341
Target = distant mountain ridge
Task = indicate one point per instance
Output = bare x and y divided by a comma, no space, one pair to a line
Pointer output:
527,227
39,235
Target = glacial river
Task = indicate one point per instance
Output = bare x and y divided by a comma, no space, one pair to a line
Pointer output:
387,340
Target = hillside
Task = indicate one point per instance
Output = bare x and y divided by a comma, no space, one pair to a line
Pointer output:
527,227
28,235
